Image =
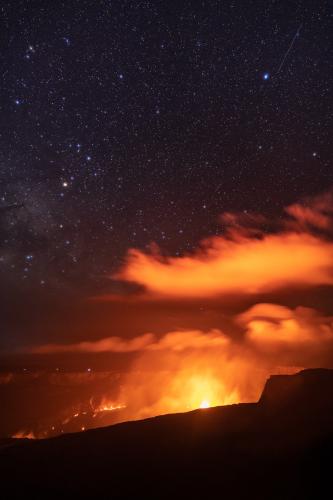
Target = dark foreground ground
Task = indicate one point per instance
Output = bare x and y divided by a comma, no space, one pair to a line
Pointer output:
278,448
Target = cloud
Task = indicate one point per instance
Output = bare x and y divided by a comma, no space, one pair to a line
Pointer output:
174,341
245,260
245,224
312,213
270,324
263,324
109,344
190,339
223,266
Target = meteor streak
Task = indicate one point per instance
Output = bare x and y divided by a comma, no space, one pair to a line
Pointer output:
289,48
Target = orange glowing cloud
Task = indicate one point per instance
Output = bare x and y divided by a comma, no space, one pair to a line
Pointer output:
109,344
314,213
245,259
271,324
174,341
190,339
263,324
246,265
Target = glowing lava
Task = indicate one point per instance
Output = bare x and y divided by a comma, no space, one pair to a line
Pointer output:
107,406
204,404
24,435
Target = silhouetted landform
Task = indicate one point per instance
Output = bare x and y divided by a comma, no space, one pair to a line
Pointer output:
278,448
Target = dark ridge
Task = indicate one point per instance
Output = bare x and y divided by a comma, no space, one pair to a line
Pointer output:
299,389
278,448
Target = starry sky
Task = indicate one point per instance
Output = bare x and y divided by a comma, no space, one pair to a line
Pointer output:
129,122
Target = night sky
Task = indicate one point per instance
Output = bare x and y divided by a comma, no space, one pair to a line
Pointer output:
125,122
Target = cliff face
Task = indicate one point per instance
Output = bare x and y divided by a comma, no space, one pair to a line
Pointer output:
307,392
277,448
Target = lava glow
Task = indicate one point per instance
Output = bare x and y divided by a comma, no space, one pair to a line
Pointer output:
198,391
24,435
205,404
180,381
106,406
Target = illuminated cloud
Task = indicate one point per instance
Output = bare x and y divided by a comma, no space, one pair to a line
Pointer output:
110,344
245,260
271,324
245,224
174,341
223,266
190,339
314,213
